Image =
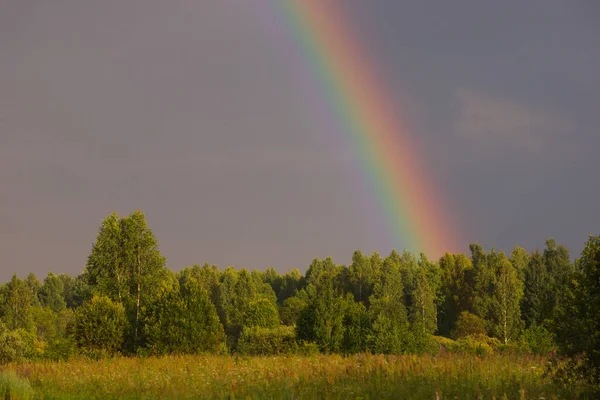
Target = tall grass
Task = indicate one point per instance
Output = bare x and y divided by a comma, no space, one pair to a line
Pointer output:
447,376
14,388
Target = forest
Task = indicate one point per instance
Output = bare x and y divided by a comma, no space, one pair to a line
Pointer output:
128,303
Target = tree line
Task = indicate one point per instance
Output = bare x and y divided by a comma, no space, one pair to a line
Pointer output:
126,301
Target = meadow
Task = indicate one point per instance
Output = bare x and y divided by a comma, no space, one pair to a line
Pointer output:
364,376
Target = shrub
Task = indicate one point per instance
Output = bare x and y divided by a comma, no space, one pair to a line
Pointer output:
419,342
469,324
99,327
307,348
477,344
184,321
261,312
267,341
291,309
12,346
60,349
537,340
444,344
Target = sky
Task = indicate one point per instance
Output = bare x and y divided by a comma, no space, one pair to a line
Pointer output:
193,112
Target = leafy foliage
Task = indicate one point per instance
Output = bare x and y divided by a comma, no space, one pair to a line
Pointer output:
99,326
469,324
260,341
126,301
184,321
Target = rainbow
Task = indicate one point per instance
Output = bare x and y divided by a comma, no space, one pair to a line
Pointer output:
380,139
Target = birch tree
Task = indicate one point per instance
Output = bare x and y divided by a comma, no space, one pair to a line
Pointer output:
126,265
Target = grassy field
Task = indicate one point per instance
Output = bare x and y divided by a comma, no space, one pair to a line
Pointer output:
322,376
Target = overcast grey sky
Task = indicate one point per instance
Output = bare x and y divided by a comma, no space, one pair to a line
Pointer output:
192,112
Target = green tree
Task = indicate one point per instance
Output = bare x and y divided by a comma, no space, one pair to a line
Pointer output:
357,326
577,325
388,310
107,272
16,306
520,260
51,293
275,280
207,277
322,321
291,283
12,346
457,281
291,309
560,270
423,310
68,282
536,305
126,265
261,312
34,285
79,294
505,311
183,320
484,280
469,324
99,326
360,277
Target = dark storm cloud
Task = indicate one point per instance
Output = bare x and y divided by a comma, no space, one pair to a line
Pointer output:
192,112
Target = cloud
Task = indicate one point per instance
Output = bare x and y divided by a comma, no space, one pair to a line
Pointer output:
493,121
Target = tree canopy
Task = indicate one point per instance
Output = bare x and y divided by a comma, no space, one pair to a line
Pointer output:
127,301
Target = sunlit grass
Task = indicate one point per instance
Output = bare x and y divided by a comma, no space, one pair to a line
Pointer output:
446,376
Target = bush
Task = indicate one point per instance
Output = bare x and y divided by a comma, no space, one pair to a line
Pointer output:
537,340
261,312
60,349
473,344
469,324
307,348
264,341
99,327
420,342
184,321
12,346
291,309
13,387
444,344
480,345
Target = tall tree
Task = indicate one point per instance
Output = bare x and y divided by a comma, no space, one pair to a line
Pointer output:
322,321
51,293
520,260
207,277
560,270
536,306
106,271
423,313
183,320
457,281
360,277
291,283
16,307
357,326
577,326
388,310
505,309
484,280
34,285
126,265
